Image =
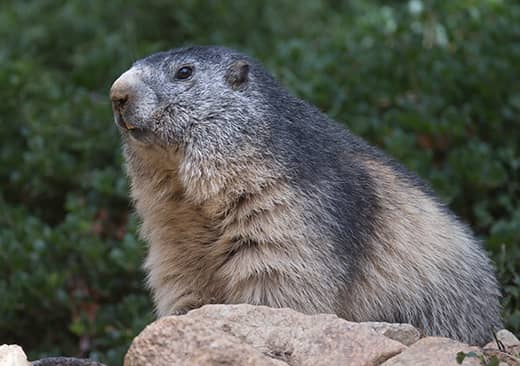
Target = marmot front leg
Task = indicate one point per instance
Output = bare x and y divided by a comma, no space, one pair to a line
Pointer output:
185,304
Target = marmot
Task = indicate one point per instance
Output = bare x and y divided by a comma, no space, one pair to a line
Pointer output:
248,194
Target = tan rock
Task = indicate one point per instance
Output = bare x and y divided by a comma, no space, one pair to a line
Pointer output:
12,355
407,334
434,351
184,341
507,338
510,353
258,335
504,357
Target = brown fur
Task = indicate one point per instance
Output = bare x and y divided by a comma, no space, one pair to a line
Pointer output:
192,245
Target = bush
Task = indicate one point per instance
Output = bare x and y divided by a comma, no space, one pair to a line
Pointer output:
435,84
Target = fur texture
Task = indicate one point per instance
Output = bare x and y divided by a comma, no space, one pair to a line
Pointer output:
249,195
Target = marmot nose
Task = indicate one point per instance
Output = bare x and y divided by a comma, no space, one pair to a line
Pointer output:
125,88
119,94
122,95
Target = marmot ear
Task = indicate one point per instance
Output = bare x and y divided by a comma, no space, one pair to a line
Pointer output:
238,74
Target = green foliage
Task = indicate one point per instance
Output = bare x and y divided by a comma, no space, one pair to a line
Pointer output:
436,84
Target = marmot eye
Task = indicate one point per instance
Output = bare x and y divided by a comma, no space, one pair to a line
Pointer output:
184,72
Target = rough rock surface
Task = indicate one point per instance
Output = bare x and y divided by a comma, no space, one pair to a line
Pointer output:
65,361
434,351
508,340
404,333
509,350
258,335
12,355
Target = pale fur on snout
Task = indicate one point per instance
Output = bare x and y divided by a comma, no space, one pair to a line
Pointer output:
133,98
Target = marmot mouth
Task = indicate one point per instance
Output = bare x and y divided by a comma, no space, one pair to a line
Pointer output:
143,135
123,123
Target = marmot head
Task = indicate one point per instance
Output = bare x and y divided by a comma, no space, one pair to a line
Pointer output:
189,95
203,112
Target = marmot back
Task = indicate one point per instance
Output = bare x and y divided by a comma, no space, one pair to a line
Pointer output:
247,194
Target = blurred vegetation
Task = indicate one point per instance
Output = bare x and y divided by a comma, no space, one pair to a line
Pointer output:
436,84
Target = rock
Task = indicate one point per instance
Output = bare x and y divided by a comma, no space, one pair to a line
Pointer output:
258,335
504,357
404,333
12,355
184,341
433,351
507,338
65,361
510,353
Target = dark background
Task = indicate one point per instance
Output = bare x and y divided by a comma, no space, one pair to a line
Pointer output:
435,84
